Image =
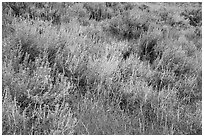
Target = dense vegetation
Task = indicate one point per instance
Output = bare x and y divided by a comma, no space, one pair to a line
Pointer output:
101,68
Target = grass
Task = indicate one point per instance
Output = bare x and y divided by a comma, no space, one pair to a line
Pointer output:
109,72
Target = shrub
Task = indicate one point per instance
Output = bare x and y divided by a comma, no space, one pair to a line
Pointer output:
194,16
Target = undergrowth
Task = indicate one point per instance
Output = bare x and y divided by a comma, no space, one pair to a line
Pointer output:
101,68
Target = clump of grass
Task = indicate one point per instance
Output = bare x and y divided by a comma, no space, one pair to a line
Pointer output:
41,122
